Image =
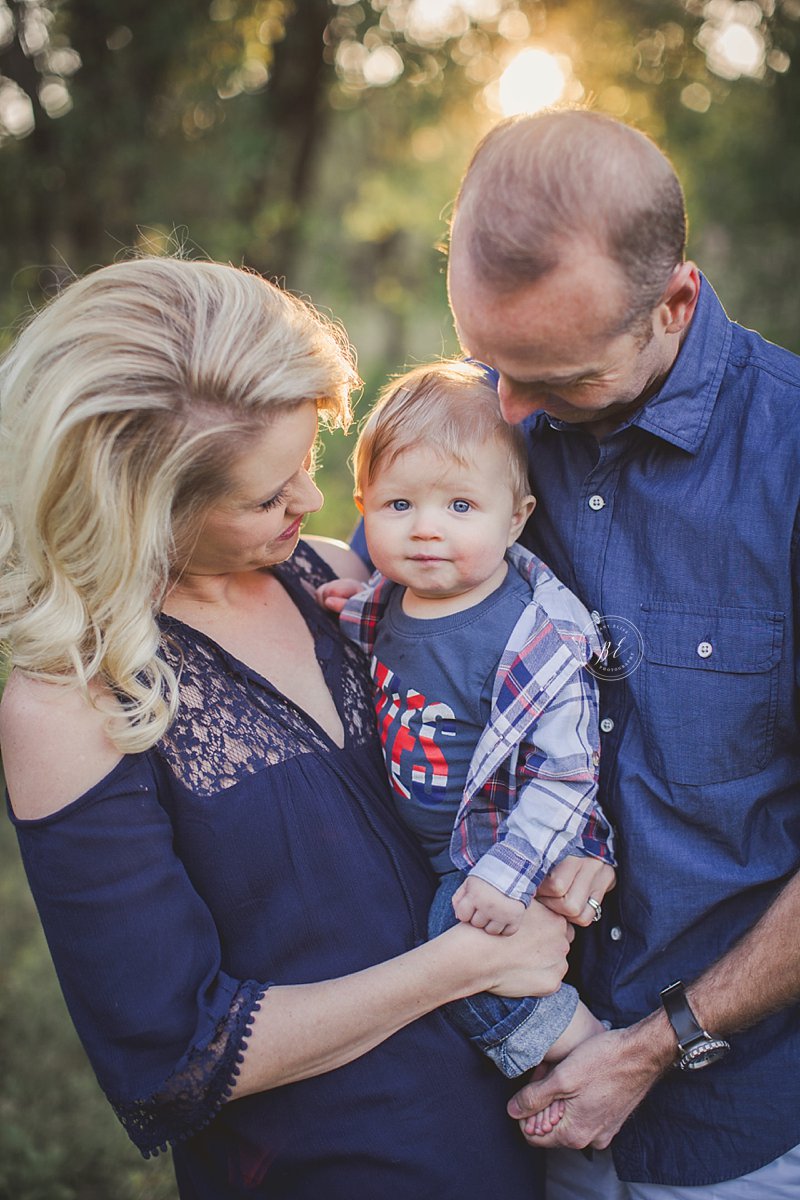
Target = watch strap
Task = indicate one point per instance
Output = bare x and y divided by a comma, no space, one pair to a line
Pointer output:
681,1017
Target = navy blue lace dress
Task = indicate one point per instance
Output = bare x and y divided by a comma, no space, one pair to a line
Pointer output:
247,848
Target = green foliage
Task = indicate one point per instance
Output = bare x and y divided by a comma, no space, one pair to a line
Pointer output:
323,142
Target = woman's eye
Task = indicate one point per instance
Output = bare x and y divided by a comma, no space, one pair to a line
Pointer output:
461,506
274,502
400,505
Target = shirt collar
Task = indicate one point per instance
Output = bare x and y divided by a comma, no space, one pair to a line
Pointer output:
681,410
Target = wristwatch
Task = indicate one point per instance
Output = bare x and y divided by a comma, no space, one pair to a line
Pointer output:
696,1047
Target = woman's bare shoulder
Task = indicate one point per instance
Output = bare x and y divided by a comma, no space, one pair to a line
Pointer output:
53,744
339,557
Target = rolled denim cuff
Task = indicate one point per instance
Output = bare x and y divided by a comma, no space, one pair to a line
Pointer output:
527,1043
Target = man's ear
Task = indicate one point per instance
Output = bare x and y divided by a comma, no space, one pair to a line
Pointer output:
520,516
680,297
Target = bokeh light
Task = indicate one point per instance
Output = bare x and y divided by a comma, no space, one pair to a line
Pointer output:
16,110
533,80
732,39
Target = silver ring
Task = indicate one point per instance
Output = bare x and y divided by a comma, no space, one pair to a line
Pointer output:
596,905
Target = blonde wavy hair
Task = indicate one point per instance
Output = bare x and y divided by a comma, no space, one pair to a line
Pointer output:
123,405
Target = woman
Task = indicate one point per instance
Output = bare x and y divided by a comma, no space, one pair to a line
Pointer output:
235,915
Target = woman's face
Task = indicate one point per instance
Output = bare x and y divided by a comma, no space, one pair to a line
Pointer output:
257,522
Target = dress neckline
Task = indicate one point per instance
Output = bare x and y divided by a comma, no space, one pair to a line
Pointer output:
326,648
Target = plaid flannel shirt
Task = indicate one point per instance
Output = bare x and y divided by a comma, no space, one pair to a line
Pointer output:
530,795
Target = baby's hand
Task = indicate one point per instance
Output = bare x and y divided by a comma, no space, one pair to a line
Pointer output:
478,903
334,594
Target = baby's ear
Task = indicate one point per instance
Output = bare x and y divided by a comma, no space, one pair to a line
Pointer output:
359,502
520,516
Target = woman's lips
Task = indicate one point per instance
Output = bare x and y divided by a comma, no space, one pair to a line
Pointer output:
291,531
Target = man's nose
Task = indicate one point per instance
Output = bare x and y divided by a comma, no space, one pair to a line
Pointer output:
518,400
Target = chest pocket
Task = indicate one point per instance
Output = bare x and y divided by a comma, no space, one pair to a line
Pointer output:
709,690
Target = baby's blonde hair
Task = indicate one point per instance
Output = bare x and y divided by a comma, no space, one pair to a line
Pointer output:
123,405
449,406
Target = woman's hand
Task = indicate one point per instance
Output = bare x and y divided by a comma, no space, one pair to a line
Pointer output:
311,1028
531,963
566,890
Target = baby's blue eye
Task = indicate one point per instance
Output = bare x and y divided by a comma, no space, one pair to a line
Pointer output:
400,505
461,506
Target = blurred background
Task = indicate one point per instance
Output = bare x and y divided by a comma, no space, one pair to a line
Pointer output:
322,143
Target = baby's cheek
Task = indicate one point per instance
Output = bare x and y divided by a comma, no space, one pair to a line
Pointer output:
481,560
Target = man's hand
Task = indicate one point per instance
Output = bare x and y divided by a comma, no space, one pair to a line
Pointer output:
478,903
600,1084
566,890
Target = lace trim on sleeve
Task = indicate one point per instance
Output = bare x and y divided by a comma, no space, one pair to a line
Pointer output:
192,1097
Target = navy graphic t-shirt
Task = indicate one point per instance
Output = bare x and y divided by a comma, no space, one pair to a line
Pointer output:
433,693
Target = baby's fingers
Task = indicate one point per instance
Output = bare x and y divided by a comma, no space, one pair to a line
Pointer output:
334,594
333,603
463,907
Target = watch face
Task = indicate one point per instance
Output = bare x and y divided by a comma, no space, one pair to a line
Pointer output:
704,1054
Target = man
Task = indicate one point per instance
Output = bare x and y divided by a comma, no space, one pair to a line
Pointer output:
665,455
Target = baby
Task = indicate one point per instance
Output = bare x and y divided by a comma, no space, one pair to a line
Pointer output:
487,716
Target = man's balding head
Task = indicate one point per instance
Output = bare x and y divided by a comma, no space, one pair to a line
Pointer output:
537,185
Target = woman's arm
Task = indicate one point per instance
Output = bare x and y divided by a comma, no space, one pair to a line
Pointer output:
138,941
307,1030
53,744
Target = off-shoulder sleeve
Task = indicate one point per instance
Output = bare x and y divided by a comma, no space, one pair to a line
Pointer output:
138,957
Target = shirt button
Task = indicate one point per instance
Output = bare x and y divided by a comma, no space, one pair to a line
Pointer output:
595,759
615,933
596,503
595,615
606,725
705,649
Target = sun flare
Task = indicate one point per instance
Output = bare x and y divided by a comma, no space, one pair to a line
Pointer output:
533,80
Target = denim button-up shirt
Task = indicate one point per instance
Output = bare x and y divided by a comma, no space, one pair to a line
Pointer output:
681,530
